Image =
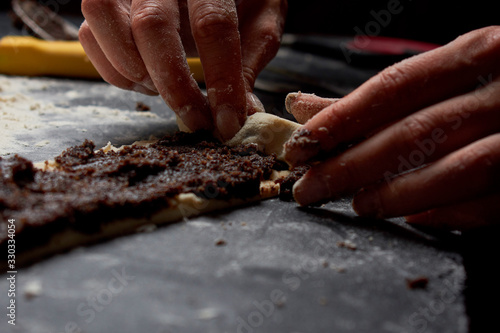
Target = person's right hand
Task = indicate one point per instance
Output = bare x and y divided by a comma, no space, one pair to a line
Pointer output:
142,45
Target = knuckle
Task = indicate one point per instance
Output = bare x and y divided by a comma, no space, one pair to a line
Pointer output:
395,83
270,34
94,7
148,17
487,156
249,75
483,158
470,158
84,34
413,129
491,41
491,36
210,21
479,44
393,77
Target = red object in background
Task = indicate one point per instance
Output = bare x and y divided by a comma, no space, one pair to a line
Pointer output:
359,50
388,45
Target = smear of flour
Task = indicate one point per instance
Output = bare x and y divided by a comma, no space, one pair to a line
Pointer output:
42,143
28,107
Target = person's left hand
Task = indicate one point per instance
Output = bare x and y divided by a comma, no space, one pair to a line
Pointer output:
430,131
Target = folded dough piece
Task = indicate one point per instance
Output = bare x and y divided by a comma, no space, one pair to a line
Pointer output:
268,131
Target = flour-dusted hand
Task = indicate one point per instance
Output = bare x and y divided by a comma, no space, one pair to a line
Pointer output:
142,45
430,139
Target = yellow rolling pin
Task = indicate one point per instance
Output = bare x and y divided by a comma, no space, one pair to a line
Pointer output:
29,56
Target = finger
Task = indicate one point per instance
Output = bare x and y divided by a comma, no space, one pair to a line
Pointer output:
254,104
461,176
261,24
185,30
155,31
419,139
399,90
103,66
305,106
214,24
484,211
109,22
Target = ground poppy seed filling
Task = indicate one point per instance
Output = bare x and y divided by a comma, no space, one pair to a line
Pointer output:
89,188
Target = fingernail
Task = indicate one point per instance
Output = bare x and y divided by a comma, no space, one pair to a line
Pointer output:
311,189
254,104
143,90
290,99
367,203
181,125
227,122
148,83
301,147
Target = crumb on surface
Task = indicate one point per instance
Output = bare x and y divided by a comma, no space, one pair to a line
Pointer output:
32,289
220,242
420,282
347,244
141,106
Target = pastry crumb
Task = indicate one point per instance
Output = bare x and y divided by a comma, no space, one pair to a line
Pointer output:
146,228
141,106
347,244
32,289
220,242
420,282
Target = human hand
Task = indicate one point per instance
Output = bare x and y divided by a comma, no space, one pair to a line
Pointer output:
430,131
142,45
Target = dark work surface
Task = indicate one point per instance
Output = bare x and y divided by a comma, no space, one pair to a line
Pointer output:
282,269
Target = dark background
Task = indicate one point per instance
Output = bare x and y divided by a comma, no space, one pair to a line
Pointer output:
425,20
432,21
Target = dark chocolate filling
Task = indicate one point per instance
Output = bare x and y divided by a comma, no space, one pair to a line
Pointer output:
91,188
